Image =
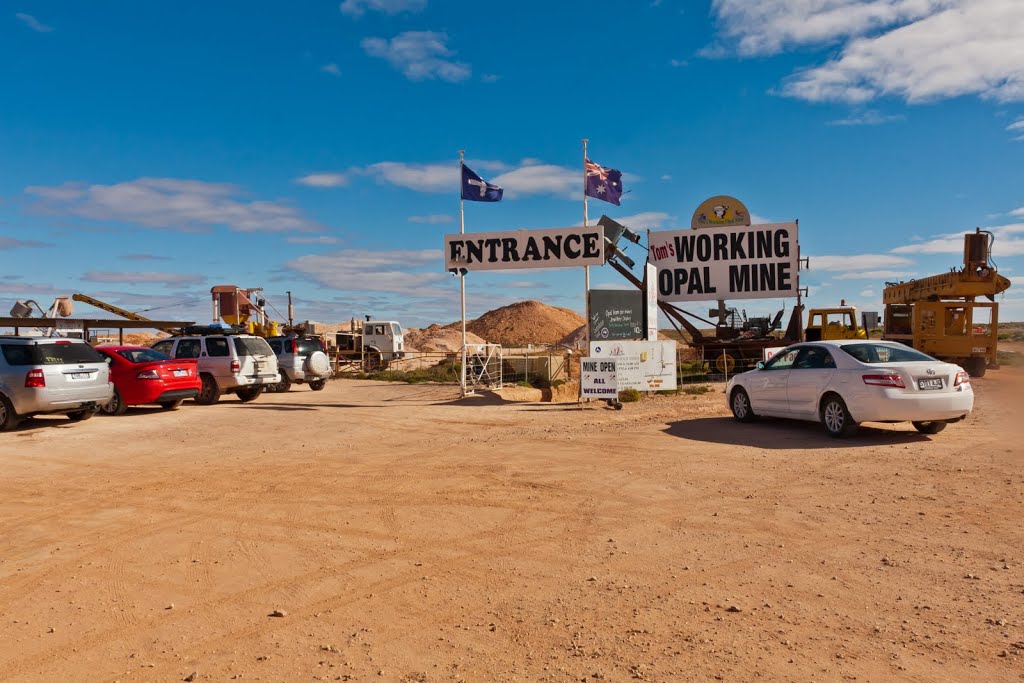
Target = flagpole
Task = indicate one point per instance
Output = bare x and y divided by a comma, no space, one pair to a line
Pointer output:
586,269
462,276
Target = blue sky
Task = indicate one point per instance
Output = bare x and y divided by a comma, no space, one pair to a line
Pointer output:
151,150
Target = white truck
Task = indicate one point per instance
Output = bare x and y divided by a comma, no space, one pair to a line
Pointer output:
370,345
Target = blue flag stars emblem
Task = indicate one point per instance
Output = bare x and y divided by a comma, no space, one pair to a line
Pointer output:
476,189
603,183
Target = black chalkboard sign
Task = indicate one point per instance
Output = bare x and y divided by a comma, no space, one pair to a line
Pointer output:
616,314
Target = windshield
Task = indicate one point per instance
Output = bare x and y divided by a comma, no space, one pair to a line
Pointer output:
142,355
56,353
252,346
883,353
308,346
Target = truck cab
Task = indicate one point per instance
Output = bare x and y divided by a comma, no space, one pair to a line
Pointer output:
833,323
375,346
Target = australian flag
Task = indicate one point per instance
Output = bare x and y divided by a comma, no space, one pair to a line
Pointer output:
603,183
476,189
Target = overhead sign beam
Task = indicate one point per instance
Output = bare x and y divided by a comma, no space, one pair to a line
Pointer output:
516,249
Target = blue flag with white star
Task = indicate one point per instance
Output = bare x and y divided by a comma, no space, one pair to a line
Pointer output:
603,183
476,189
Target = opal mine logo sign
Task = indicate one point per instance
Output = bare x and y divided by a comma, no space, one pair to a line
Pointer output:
753,262
719,212
552,248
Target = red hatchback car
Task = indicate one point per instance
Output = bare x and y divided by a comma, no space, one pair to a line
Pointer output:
142,375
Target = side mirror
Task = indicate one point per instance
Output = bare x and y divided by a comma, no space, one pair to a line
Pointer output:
760,365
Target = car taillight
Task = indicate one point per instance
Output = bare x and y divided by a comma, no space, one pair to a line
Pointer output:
148,374
235,366
885,381
295,345
961,379
35,379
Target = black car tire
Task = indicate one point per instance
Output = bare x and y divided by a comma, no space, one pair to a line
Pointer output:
282,387
84,414
318,384
929,427
740,404
8,418
171,405
249,394
836,418
209,393
116,405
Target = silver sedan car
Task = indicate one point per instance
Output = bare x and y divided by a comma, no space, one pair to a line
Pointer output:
842,383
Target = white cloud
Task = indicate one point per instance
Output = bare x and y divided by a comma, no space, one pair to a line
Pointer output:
397,271
867,292
12,243
442,177
420,55
666,177
433,219
529,178
918,50
169,203
33,23
537,178
1018,212
1016,125
144,257
648,220
323,180
146,277
318,239
869,117
677,63
857,262
331,69
1008,243
490,78
357,8
888,275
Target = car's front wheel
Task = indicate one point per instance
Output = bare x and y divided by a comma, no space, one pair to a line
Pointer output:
317,384
836,418
79,415
209,392
929,427
740,404
284,386
116,405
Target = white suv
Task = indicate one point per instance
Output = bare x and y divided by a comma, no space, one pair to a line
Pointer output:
240,364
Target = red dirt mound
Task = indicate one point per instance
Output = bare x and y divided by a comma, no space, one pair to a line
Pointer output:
526,322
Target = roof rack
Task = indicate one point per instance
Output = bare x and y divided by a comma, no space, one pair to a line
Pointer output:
214,328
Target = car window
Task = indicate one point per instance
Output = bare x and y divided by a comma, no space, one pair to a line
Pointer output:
276,346
883,353
164,346
55,353
217,347
814,358
187,348
396,329
783,360
308,346
142,355
252,346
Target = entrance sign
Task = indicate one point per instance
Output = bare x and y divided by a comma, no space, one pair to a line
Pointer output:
598,378
551,248
753,262
643,365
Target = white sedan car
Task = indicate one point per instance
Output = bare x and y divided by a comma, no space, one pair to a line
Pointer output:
844,382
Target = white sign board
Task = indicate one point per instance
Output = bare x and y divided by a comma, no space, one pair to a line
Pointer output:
598,378
753,262
644,366
551,248
651,300
770,351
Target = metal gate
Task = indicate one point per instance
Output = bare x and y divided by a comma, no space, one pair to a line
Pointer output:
483,366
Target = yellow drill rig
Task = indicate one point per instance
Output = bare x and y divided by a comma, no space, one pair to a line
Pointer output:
939,315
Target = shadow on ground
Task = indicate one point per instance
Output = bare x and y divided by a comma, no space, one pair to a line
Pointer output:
780,434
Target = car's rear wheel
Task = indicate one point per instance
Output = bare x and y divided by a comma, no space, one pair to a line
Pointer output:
8,418
249,394
836,418
318,384
929,427
209,392
84,414
740,404
171,405
116,405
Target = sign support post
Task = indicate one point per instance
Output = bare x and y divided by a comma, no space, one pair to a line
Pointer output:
462,278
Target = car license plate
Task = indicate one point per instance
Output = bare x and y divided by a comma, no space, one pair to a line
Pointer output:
79,375
180,373
928,384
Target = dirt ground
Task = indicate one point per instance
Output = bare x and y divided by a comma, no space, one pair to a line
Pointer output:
403,534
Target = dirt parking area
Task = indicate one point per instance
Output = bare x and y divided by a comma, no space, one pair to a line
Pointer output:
391,532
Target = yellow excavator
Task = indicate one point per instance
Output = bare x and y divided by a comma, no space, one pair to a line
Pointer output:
940,315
